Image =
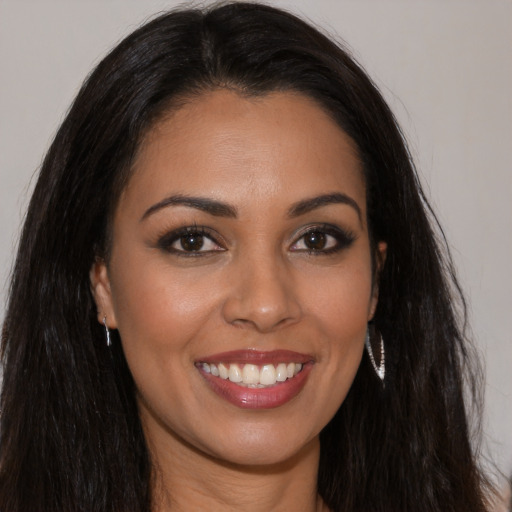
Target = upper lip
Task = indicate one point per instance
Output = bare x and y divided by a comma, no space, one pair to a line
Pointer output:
251,356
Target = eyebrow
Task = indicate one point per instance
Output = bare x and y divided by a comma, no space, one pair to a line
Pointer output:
211,206
308,205
221,209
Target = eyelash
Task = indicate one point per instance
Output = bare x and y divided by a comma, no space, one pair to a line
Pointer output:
167,241
342,238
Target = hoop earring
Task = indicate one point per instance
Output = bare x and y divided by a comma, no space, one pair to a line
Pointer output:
381,369
107,332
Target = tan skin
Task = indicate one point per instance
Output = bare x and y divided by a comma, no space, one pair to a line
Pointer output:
264,275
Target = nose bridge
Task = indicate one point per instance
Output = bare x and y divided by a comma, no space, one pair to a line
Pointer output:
263,294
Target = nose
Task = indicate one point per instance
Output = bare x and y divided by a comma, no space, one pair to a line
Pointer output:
262,296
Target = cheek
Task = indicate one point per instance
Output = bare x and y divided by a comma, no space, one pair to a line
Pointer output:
161,317
341,300
158,311
339,307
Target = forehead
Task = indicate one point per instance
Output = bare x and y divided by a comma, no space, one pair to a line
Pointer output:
279,146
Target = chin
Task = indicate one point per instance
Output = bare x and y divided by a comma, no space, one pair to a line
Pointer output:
256,447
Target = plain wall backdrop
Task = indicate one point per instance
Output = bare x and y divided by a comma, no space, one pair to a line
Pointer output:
445,67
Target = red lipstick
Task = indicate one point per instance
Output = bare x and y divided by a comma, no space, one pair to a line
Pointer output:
267,397
257,357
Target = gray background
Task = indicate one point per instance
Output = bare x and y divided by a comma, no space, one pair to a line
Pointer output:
445,66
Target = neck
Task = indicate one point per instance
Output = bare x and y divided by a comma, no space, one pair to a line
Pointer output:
185,479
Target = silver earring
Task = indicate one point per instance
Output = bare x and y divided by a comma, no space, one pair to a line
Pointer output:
107,331
381,369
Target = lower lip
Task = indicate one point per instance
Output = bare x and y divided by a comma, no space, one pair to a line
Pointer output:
259,398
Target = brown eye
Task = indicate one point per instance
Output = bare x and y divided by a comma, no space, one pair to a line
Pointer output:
315,240
323,240
192,242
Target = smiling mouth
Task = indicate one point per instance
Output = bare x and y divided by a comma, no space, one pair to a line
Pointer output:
252,375
255,379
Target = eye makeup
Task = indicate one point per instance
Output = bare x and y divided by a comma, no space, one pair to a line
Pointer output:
190,241
322,239
199,241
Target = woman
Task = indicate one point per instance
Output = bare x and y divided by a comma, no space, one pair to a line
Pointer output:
227,217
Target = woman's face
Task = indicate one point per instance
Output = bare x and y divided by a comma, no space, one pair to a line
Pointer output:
240,277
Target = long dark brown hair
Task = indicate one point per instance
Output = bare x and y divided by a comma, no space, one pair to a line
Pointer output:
70,437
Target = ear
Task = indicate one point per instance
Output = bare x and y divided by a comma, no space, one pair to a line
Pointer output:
380,259
101,291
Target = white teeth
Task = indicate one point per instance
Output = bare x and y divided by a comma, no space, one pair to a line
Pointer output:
251,375
223,371
281,374
268,375
235,374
